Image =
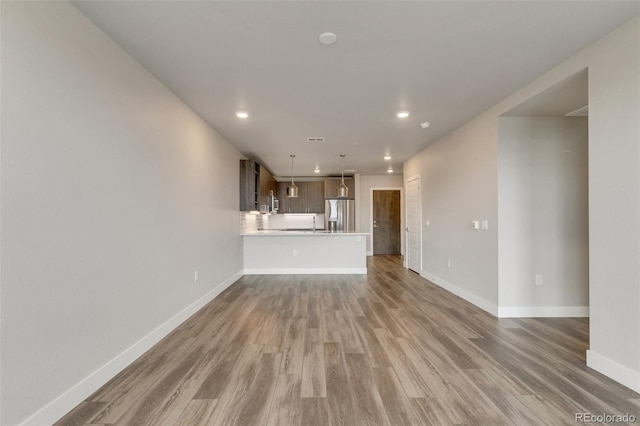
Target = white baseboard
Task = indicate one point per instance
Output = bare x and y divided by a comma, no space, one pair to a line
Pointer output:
460,292
618,372
370,253
64,403
303,271
225,284
543,312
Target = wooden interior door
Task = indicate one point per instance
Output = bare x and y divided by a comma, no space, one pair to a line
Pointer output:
386,221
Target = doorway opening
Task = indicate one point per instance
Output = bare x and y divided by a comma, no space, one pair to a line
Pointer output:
543,244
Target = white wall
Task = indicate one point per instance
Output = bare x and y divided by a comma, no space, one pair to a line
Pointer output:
543,210
614,197
113,194
614,204
459,185
363,221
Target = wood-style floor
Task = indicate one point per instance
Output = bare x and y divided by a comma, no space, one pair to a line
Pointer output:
388,348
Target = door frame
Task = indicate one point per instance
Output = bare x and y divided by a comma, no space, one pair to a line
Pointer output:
402,222
417,177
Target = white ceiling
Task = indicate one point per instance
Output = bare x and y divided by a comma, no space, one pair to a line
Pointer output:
445,62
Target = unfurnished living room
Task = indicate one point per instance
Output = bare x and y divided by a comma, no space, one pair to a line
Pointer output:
319,212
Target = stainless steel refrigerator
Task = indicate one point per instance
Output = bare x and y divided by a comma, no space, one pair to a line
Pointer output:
339,214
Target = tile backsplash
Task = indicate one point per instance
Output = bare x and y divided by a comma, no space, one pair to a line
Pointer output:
252,222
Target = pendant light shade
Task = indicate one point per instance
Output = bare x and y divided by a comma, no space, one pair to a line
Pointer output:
292,190
343,190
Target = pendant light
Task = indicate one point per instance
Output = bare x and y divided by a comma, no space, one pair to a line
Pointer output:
343,191
292,191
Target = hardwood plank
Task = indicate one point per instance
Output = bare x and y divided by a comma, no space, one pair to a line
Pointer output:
233,396
261,391
315,412
219,375
330,327
135,390
384,348
196,413
396,404
286,408
313,377
348,335
339,391
372,347
153,397
430,410
368,403
508,404
82,414
404,369
313,313
293,354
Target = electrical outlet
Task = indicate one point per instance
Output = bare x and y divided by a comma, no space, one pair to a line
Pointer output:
449,263
485,225
538,279
196,276
295,252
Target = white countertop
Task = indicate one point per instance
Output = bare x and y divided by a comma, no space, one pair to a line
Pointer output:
303,233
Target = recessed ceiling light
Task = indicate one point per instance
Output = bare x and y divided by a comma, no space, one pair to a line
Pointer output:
317,170
242,114
390,170
387,157
425,124
402,114
327,38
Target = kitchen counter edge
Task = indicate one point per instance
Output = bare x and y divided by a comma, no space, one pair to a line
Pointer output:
275,233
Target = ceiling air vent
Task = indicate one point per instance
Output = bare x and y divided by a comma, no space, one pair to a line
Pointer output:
315,139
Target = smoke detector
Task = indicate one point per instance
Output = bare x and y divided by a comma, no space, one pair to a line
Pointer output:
315,139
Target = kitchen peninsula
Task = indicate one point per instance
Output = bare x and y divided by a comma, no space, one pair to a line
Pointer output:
304,252
298,244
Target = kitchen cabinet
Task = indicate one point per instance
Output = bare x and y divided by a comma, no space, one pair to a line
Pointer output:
315,197
310,197
290,205
267,183
331,187
249,185
255,183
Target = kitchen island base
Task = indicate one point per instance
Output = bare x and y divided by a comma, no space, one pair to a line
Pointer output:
305,253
